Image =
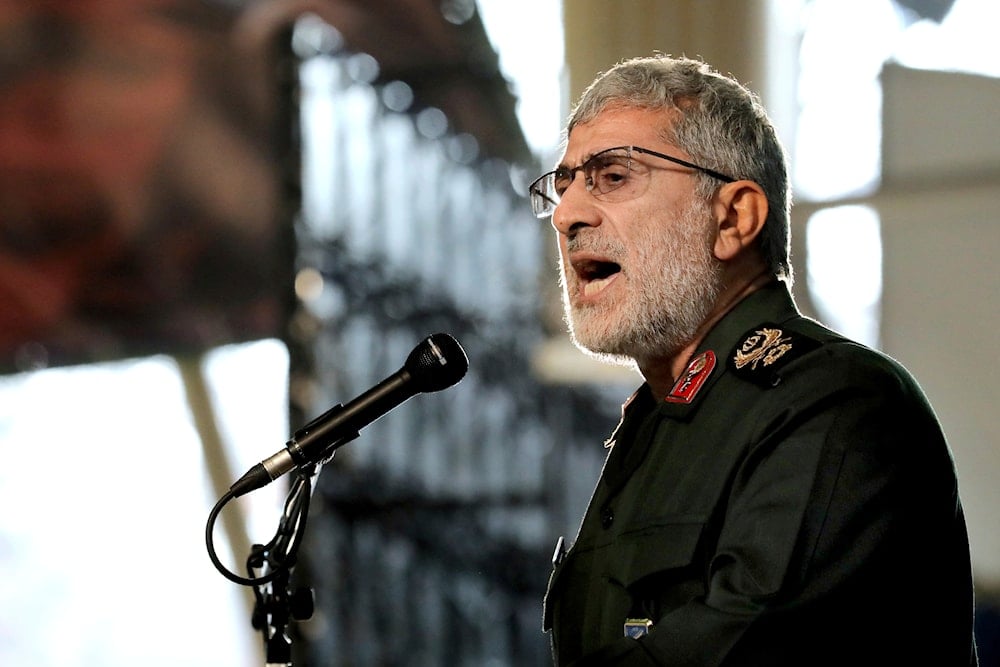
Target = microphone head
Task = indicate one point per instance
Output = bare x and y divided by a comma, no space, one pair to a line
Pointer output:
436,363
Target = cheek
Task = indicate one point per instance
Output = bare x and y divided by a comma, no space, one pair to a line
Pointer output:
644,237
683,223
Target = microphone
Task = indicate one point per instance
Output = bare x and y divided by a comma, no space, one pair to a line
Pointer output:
436,363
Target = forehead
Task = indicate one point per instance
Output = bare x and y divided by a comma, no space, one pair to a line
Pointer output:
617,127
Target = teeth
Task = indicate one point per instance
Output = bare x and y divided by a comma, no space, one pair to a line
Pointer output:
595,286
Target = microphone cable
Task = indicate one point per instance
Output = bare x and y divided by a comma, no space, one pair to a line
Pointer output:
281,552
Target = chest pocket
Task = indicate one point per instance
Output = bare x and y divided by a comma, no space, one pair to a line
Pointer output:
648,570
653,548
660,567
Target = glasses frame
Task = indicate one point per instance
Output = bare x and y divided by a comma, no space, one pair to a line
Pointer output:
548,205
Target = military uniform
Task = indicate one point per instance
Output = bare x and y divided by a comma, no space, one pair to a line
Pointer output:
791,502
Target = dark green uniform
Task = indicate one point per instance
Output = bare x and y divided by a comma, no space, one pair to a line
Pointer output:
791,502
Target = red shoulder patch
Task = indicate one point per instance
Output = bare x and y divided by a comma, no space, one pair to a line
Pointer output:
692,379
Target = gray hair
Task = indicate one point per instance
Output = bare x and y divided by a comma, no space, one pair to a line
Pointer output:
717,121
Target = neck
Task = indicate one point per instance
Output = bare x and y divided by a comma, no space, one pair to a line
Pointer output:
661,373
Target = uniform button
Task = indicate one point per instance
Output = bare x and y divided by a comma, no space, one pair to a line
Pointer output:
607,517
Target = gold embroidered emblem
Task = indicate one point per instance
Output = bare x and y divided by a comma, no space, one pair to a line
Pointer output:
765,347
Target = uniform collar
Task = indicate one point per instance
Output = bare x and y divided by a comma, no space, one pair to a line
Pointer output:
771,302
636,431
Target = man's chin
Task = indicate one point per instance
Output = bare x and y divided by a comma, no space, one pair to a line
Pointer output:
608,358
602,347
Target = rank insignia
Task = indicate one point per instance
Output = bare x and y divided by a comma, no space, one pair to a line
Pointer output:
765,349
692,379
764,346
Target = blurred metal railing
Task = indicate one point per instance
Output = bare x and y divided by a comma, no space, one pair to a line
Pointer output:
432,538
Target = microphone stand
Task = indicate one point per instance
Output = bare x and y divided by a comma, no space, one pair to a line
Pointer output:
276,604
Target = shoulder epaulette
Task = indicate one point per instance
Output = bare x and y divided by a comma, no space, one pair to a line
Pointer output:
764,350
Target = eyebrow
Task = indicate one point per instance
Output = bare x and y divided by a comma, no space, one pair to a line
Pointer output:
587,156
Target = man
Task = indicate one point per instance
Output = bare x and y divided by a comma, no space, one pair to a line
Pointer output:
775,494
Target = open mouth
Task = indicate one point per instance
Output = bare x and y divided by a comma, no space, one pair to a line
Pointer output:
595,274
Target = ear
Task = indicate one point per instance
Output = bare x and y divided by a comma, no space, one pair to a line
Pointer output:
740,211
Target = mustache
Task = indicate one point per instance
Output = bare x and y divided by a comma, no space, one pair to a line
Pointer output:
610,248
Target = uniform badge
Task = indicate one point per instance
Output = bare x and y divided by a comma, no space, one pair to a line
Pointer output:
765,346
692,379
766,349
637,627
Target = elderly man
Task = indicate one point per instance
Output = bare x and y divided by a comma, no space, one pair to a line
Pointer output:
775,494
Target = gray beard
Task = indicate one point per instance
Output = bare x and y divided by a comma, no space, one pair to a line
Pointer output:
673,286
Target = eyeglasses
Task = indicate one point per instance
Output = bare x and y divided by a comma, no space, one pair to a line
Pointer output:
610,175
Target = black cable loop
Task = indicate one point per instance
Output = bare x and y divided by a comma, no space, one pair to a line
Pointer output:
288,537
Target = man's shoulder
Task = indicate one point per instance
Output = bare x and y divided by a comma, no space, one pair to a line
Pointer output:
805,350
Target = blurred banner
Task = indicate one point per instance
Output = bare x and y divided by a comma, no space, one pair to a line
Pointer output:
138,192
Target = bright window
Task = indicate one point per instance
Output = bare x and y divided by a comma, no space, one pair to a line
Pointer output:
837,154
103,500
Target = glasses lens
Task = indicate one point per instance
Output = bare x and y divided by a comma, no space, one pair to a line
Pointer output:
608,171
543,196
605,172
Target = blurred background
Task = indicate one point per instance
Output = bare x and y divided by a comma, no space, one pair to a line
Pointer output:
220,217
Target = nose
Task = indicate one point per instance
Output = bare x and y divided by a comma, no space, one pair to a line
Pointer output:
576,209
